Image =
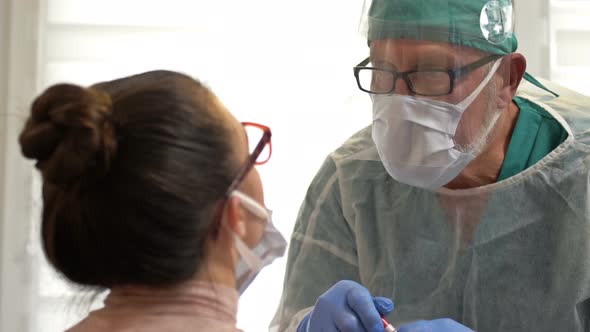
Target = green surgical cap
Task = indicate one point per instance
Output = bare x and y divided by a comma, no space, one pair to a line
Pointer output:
481,24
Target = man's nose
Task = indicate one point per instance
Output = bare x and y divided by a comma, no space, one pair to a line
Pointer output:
402,88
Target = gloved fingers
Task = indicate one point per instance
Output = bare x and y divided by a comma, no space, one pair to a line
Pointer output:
344,286
348,321
304,324
384,305
361,302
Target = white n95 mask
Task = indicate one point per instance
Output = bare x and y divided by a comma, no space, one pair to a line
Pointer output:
414,137
271,246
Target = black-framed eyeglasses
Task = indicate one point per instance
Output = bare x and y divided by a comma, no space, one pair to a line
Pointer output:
431,82
260,148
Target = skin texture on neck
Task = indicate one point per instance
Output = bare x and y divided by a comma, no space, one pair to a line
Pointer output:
221,260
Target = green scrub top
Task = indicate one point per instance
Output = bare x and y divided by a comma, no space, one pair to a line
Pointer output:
536,134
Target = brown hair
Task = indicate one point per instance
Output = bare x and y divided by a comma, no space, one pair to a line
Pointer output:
132,171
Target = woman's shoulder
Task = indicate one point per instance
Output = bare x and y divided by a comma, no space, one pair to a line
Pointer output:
92,325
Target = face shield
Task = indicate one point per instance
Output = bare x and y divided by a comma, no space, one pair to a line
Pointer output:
434,72
433,48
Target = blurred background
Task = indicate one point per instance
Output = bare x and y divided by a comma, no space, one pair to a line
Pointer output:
286,64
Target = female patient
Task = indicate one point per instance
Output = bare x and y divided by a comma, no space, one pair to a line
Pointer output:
150,191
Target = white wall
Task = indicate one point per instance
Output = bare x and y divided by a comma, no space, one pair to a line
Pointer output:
569,40
3,83
18,86
532,31
554,35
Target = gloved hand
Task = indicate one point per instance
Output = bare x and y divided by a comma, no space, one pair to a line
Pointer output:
437,325
347,307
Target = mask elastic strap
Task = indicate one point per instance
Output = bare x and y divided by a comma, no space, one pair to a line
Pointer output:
467,101
251,205
249,257
253,261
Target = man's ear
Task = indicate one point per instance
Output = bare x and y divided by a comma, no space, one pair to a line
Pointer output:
233,216
517,70
512,71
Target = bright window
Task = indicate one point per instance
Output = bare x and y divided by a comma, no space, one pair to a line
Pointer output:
569,40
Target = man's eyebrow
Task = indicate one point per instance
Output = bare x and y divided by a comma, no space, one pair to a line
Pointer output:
429,57
434,56
382,63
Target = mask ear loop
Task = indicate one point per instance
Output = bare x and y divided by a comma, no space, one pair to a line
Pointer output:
467,101
252,206
250,258
254,262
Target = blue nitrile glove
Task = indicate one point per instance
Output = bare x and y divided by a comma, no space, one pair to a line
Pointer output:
347,307
437,325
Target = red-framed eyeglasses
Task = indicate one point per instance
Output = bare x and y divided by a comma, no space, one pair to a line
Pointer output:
259,153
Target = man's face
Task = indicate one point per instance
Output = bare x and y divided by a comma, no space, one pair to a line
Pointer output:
408,55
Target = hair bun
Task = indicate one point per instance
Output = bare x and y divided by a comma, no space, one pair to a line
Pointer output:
70,133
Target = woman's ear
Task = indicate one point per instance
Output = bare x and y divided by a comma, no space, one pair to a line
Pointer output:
511,73
233,216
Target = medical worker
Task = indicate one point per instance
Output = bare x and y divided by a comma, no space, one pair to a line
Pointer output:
467,201
150,190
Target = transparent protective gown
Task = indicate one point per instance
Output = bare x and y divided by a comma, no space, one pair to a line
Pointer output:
510,256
